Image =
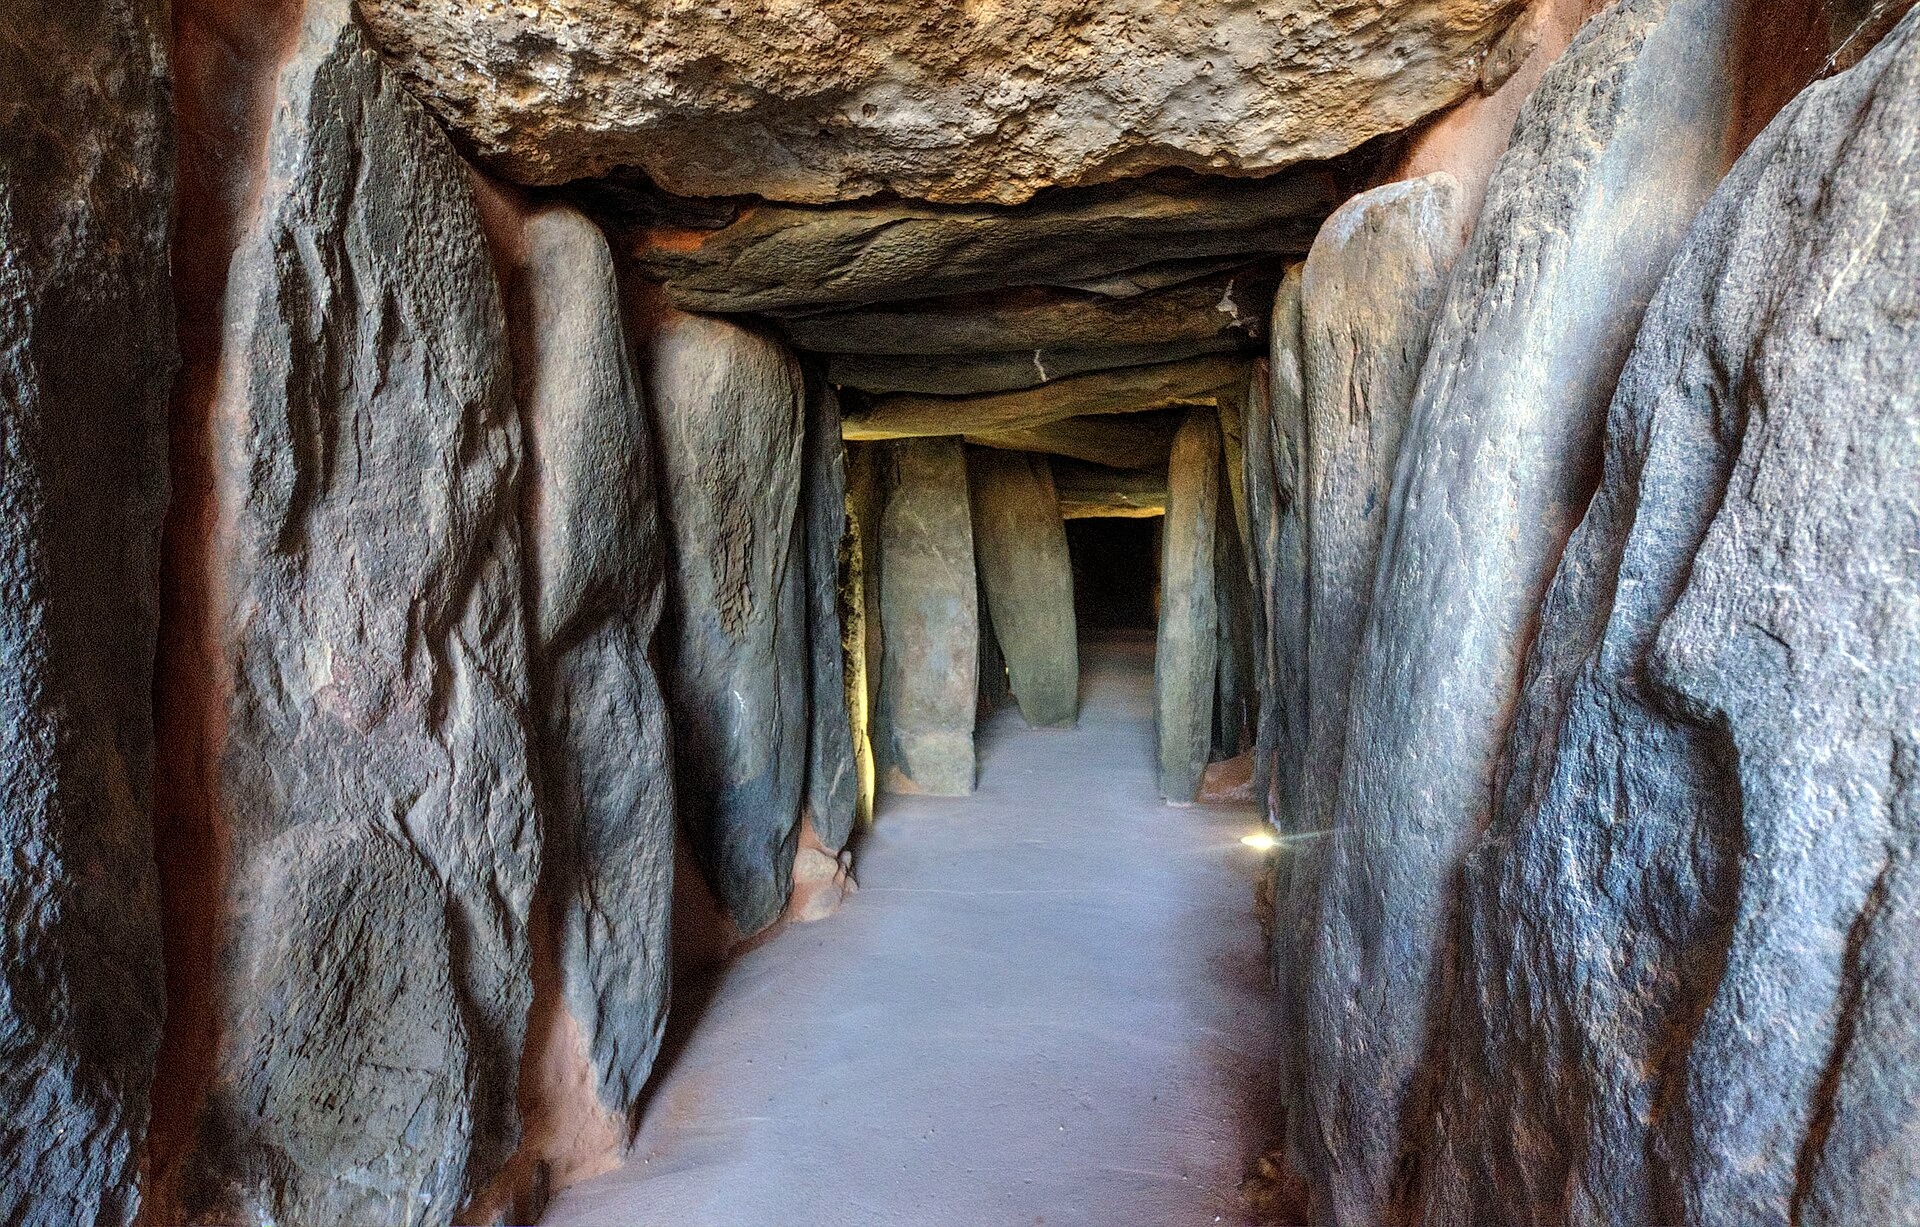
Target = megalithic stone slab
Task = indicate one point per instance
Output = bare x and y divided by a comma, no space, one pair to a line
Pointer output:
595,553
1611,158
1690,978
975,374
729,406
1369,291
1021,543
350,709
869,480
1236,707
1115,440
86,356
1184,655
929,607
833,780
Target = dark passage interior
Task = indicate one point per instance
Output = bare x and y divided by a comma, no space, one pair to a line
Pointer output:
1116,571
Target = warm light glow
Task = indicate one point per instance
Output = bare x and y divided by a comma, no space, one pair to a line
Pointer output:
1261,840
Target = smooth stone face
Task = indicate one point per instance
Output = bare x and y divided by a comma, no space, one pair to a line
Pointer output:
86,358
1226,306
1184,657
975,373
839,99
356,721
1199,381
929,607
833,778
1021,544
1611,158
784,258
1086,491
729,409
595,555
1702,872
1369,292
1112,440
869,481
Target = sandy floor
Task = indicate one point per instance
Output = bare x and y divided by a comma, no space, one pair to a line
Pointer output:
1047,1005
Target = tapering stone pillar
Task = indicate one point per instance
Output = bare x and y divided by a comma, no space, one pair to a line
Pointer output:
1028,578
1184,659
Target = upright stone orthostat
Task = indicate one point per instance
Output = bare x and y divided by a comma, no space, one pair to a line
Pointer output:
350,704
1611,158
1694,928
86,356
868,476
833,774
929,608
729,408
1021,543
594,554
1274,456
1184,657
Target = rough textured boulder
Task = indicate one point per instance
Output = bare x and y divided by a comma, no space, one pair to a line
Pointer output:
833,778
838,99
1692,928
1021,545
1200,381
1115,441
86,356
348,711
1184,655
1228,306
1610,160
1106,240
594,556
930,612
728,404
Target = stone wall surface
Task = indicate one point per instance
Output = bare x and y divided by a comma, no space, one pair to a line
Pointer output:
594,556
1611,159
833,777
349,711
87,353
1021,544
929,609
729,414
1691,930
840,99
1187,644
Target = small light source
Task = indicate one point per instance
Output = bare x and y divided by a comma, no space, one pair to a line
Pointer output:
1260,840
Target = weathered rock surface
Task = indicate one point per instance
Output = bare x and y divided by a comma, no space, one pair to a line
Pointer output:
1187,643
1085,491
1236,696
601,739
728,407
1199,381
1611,158
1228,306
929,608
1691,982
833,779
786,257
86,356
351,706
838,99
1021,545
869,482
971,374
1369,291
1116,441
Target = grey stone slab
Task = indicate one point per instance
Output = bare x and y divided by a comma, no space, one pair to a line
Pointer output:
1187,642
972,374
87,353
1020,543
729,413
1114,440
1610,160
833,777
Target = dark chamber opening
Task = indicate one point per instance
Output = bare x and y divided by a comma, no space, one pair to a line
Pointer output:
1116,572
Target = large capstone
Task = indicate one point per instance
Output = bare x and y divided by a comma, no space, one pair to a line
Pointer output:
1021,543
1702,875
348,717
86,358
930,612
838,99
1187,647
728,403
1612,156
